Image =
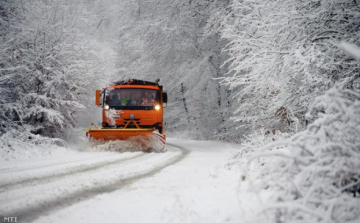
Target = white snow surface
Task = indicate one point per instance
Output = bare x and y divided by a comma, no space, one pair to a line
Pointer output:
188,183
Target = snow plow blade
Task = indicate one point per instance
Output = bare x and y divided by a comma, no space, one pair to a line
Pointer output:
117,134
149,139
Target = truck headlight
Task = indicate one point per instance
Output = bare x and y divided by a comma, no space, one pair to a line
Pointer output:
106,107
157,107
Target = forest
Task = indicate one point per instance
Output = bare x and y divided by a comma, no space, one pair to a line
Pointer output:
279,78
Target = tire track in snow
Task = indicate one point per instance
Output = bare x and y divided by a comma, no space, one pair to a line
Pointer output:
32,212
68,172
34,167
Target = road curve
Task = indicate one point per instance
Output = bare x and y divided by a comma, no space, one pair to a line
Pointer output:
33,197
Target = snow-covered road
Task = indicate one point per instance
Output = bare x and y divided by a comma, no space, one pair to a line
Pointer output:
188,183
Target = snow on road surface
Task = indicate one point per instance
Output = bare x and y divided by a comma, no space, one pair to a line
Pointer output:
188,183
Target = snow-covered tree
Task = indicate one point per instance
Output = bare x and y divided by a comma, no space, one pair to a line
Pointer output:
292,76
45,65
283,54
314,175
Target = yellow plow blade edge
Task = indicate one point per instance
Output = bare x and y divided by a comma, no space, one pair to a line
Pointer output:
117,134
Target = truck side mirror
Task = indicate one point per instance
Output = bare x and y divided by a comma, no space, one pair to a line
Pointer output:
98,97
164,96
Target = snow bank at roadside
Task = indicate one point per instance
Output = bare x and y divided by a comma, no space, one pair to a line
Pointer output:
312,176
16,145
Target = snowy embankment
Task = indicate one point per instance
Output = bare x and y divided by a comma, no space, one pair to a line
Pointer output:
312,176
188,183
15,145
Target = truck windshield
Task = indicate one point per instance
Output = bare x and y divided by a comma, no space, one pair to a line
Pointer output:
131,98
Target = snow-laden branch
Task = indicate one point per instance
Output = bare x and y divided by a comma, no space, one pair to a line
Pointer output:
287,56
316,169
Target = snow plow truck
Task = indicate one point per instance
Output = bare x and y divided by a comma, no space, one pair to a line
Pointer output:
132,111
